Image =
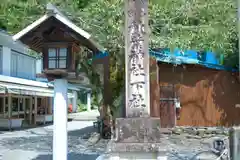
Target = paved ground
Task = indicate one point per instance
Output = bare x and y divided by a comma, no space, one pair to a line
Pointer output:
36,144
84,116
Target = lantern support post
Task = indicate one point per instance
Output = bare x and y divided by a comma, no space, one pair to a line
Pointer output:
60,142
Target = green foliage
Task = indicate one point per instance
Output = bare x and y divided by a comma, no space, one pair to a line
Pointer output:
81,107
195,24
82,101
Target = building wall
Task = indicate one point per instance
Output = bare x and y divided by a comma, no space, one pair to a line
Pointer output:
7,41
22,65
154,91
14,60
5,62
39,66
1,57
208,97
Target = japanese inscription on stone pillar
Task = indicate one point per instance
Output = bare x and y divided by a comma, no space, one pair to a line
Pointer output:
137,58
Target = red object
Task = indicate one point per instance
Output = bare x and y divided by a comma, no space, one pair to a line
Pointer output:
70,108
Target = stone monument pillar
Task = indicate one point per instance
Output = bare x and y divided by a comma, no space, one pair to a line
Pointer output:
137,135
137,58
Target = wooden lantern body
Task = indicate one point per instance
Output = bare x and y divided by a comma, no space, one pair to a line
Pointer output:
60,59
59,40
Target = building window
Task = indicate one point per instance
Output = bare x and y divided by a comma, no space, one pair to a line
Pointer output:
22,65
14,65
2,104
57,58
1,60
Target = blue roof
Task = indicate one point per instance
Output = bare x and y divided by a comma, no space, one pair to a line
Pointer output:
207,59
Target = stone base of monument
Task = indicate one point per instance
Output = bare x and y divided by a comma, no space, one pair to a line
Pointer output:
134,156
136,138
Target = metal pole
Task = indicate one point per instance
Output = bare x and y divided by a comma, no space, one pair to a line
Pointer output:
234,144
89,101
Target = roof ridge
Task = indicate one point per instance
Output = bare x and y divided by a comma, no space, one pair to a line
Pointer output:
55,10
4,32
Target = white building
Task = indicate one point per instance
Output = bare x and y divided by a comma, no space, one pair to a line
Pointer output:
29,97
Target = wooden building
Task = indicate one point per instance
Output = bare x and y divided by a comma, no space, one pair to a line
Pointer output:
208,92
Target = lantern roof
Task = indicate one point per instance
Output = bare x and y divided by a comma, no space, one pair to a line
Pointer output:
55,23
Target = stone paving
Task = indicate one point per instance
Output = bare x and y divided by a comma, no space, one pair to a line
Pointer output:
36,144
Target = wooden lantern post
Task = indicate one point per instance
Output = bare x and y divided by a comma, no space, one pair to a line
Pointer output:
58,68
60,143
60,41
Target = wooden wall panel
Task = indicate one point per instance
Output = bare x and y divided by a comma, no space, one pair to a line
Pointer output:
154,91
208,97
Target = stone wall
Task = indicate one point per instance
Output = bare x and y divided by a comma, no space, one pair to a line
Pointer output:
200,132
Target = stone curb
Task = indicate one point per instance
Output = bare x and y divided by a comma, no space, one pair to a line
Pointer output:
202,132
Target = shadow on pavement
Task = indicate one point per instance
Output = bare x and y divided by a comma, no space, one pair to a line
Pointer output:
71,156
41,144
83,133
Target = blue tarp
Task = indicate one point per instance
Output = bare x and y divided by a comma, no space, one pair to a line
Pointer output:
207,59
98,56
